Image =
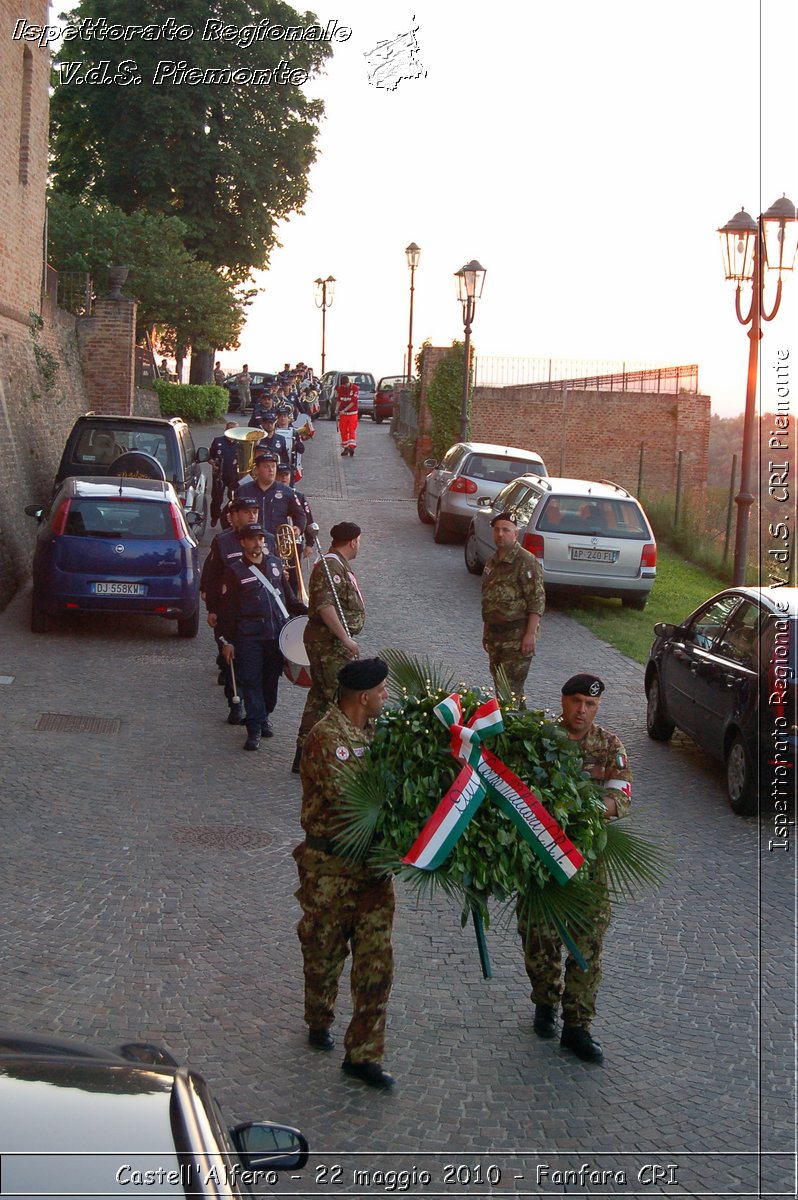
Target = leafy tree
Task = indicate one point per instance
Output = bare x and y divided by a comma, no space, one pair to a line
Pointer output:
229,159
187,300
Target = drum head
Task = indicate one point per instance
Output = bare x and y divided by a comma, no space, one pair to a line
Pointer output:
292,645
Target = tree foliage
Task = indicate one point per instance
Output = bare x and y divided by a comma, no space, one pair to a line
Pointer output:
444,398
188,301
229,159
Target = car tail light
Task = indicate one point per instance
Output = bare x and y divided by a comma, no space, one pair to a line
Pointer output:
461,484
59,521
649,555
533,542
178,524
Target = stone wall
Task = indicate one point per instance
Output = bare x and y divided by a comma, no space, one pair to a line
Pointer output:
599,435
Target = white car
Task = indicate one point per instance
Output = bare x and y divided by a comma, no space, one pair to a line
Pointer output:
469,473
589,536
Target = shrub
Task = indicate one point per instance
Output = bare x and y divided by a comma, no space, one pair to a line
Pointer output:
191,401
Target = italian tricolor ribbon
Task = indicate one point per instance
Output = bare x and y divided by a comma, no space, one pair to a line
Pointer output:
482,774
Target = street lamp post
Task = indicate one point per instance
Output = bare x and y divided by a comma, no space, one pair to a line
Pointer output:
323,295
750,247
470,282
413,253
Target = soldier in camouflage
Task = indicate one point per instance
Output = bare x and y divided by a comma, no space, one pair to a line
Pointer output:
333,593
344,904
605,760
513,601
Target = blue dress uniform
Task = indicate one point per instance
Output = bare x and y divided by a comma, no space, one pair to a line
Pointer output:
275,505
223,457
251,619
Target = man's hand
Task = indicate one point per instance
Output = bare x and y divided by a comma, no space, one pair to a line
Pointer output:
352,647
528,642
308,550
228,652
212,619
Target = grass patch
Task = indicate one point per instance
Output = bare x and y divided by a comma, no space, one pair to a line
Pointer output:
679,588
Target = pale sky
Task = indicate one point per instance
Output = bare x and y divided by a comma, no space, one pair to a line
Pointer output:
585,154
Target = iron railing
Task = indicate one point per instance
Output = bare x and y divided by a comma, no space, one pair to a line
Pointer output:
541,374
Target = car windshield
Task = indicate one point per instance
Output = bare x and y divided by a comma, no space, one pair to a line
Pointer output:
363,381
112,517
498,469
101,446
602,518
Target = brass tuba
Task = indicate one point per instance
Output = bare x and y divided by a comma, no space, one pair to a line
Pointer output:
246,441
288,550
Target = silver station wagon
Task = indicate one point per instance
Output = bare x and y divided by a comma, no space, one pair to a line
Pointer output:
468,474
589,536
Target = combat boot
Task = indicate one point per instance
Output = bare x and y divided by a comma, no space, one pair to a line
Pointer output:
236,714
582,1044
322,1039
545,1023
370,1072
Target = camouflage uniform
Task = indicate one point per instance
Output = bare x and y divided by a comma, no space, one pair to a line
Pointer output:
512,588
327,653
343,904
605,759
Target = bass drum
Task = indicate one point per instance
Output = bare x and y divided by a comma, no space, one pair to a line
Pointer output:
296,664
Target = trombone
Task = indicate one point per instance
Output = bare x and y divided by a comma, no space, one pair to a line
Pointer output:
288,549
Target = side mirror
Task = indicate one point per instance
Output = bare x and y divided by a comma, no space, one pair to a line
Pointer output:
665,629
202,454
429,462
192,518
484,502
34,510
264,1146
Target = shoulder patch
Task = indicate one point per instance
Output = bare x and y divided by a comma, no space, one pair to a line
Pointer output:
342,753
621,760
336,578
359,751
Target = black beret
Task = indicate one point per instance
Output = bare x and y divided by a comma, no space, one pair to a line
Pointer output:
344,531
248,531
362,674
281,466
583,685
266,456
240,502
504,516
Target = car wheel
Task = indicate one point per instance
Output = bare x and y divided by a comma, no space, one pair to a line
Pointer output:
198,532
657,724
635,600
421,508
472,560
740,777
377,420
442,532
39,618
188,627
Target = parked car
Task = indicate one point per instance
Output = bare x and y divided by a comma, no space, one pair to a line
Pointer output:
258,384
590,537
96,442
118,546
469,473
80,1120
387,389
366,389
726,676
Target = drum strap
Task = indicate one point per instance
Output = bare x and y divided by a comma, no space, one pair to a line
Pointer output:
269,588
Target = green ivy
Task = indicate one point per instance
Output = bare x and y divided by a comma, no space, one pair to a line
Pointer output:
191,401
444,399
46,362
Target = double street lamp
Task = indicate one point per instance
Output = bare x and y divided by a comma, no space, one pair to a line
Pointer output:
413,253
751,247
470,282
324,290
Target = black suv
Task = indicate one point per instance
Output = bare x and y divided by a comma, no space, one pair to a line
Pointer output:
97,441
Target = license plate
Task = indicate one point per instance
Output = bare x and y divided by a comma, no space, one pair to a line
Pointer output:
119,589
581,553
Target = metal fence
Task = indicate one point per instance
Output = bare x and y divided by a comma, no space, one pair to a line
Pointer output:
540,374
75,292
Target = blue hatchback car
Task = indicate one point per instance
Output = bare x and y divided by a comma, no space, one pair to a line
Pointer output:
116,546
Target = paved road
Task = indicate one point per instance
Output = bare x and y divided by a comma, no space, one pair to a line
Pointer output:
148,893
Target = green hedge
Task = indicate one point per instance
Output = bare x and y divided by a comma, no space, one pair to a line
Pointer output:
192,401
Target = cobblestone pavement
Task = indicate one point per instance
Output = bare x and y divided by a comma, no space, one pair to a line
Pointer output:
148,893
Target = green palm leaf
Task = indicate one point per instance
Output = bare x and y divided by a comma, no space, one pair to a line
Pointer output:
631,861
415,676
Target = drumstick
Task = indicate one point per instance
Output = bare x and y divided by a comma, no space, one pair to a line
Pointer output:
236,697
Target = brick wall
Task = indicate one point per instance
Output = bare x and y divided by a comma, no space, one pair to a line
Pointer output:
599,435
107,350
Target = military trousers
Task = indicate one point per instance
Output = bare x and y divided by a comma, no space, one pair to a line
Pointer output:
326,659
543,959
504,650
341,910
